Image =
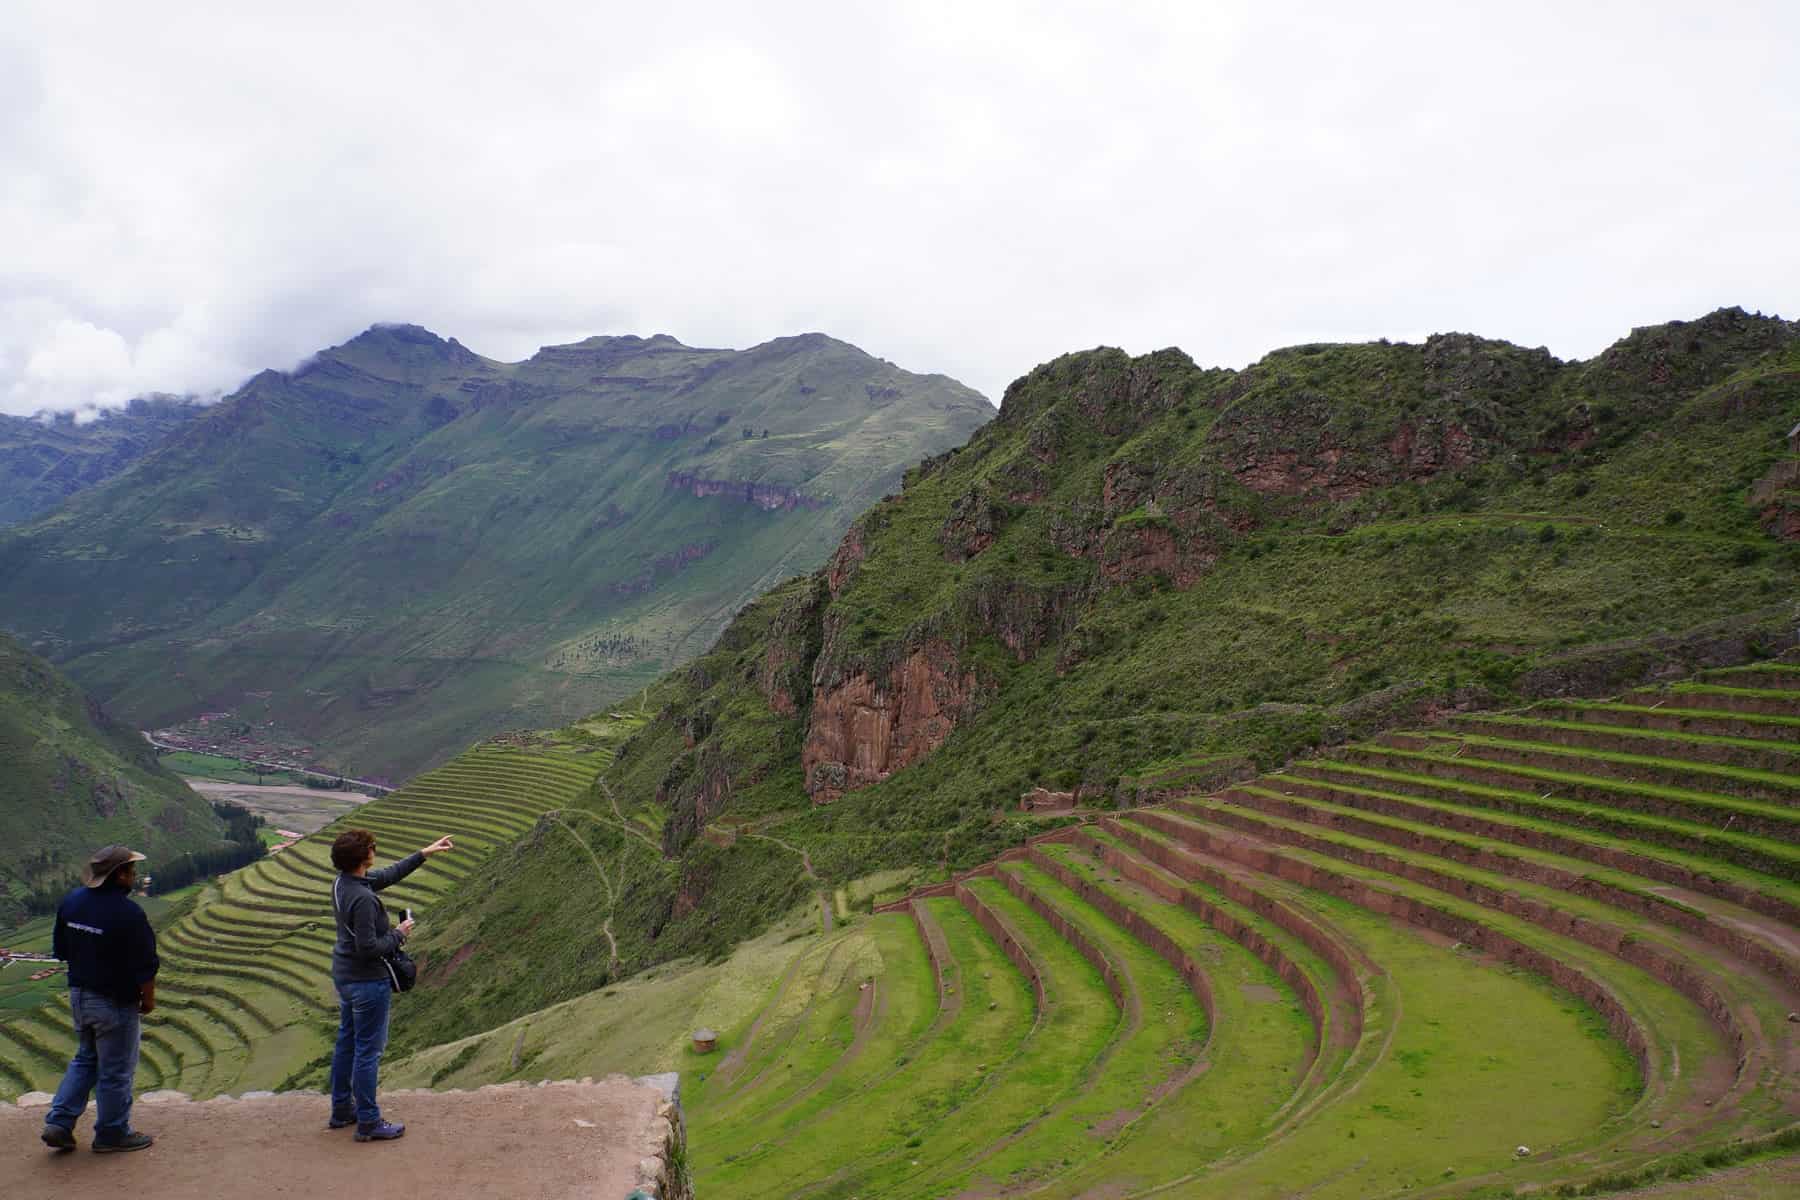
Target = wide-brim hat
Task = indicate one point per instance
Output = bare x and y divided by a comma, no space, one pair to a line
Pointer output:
100,868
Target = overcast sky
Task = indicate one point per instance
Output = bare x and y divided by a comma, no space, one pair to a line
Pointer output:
191,192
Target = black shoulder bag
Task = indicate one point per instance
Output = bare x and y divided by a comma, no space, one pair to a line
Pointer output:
402,971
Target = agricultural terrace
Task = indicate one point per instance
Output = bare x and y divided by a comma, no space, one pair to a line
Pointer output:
245,998
1548,949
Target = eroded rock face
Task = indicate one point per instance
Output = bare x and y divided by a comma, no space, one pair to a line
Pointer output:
974,521
864,729
844,561
1776,499
785,674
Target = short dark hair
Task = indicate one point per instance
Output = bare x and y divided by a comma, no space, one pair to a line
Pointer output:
352,849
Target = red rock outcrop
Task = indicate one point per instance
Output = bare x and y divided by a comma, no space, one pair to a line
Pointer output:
845,560
864,729
1776,498
785,674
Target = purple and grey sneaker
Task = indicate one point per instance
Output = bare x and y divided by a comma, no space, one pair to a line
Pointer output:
380,1131
341,1120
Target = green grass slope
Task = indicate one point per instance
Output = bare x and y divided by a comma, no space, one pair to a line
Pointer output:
1143,573
73,779
401,546
1306,983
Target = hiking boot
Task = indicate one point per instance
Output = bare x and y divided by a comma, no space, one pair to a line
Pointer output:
57,1137
341,1120
380,1131
125,1142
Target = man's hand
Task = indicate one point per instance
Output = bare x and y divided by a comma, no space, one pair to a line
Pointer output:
442,846
405,927
147,998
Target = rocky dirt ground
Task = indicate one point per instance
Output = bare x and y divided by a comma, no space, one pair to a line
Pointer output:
554,1142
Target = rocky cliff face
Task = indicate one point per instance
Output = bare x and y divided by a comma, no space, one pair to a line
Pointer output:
1184,466
864,728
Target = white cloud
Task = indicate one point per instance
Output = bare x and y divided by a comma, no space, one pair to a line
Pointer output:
190,192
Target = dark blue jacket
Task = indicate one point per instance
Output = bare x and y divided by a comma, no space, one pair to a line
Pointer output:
107,941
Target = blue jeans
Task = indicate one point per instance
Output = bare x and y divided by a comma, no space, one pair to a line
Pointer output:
105,1063
362,1036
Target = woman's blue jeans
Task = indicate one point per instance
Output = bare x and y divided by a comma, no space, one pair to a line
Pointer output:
105,1063
362,1036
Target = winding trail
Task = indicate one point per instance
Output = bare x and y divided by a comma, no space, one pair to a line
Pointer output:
825,914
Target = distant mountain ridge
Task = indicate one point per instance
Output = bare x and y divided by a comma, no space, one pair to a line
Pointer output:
47,458
401,545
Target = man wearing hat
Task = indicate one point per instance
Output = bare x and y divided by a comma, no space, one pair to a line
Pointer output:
111,951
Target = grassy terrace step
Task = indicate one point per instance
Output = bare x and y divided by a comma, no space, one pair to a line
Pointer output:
1667,716
224,1006
1757,854
398,832
992,1016
462,818
1156,1038
785,1050
1721,697
1635,731
1772,787
512,784
229,917
265,961
236,1017
1707,974
1571,875
307,990
1765,675
1478,1057
1253,1064
11,1076
846,1062
281,956
1684,1021
1749,816
1316,966
311,878
1077,1023
25,1046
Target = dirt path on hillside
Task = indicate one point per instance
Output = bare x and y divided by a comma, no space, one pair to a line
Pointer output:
484,1145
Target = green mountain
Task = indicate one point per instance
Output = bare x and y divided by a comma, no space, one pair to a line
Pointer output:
401,545
73,779
1145,576
48,458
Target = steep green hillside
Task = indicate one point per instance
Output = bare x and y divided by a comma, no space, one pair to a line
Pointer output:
46,459
401,545
1146,575
71,780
